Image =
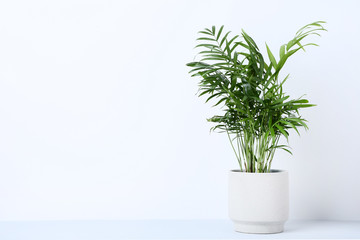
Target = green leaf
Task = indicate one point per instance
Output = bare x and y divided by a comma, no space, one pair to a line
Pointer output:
244,45
213,51
291,125
221,100
293,42
207,45
213,95
281,129
280,100
213,58
248,39
272,132
224,39
304,105
228,44
271,57
299,121
286,56
219,33
206,39
287,150
282,51
203,32
300,101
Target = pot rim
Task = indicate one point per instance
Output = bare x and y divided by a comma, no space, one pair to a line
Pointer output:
272,171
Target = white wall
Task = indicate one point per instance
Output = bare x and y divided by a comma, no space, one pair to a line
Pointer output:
99,118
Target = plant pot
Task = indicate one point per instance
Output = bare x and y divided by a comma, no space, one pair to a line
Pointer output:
259,202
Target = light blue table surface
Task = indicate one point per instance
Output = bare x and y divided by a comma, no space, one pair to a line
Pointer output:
168,229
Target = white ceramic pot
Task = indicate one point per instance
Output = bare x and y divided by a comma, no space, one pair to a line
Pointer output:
259,202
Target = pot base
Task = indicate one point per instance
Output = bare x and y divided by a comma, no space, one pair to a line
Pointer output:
253,227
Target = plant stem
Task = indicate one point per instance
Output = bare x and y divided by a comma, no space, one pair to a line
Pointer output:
232,145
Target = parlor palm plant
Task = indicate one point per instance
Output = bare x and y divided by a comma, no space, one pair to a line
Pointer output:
257,111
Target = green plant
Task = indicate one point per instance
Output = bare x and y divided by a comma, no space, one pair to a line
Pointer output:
257,112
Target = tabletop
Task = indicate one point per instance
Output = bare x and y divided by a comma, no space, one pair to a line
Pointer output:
168,229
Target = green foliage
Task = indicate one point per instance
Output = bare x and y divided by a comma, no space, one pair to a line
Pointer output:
257,112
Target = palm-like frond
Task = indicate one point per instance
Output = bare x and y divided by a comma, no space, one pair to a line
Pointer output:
257,112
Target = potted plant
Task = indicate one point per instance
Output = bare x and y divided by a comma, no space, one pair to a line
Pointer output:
257,113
